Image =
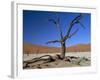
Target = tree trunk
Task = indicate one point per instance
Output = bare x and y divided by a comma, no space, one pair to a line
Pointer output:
63,49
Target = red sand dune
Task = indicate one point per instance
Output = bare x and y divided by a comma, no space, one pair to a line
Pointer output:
30,48
79,48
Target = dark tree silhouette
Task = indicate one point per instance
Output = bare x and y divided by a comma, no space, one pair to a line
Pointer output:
69,33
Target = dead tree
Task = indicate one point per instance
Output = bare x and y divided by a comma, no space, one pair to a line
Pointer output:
69,33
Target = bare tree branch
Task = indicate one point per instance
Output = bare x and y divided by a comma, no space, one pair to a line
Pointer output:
58,20
53,21
55,41
76,20
57,23
73,33
82,25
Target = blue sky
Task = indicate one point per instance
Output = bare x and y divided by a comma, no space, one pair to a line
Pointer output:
38,30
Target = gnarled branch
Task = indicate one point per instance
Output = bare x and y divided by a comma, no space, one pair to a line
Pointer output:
82,25
52,20
76,20
42,58
57,23
73,33
55,41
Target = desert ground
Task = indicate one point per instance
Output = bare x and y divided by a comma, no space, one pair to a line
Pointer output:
73,59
